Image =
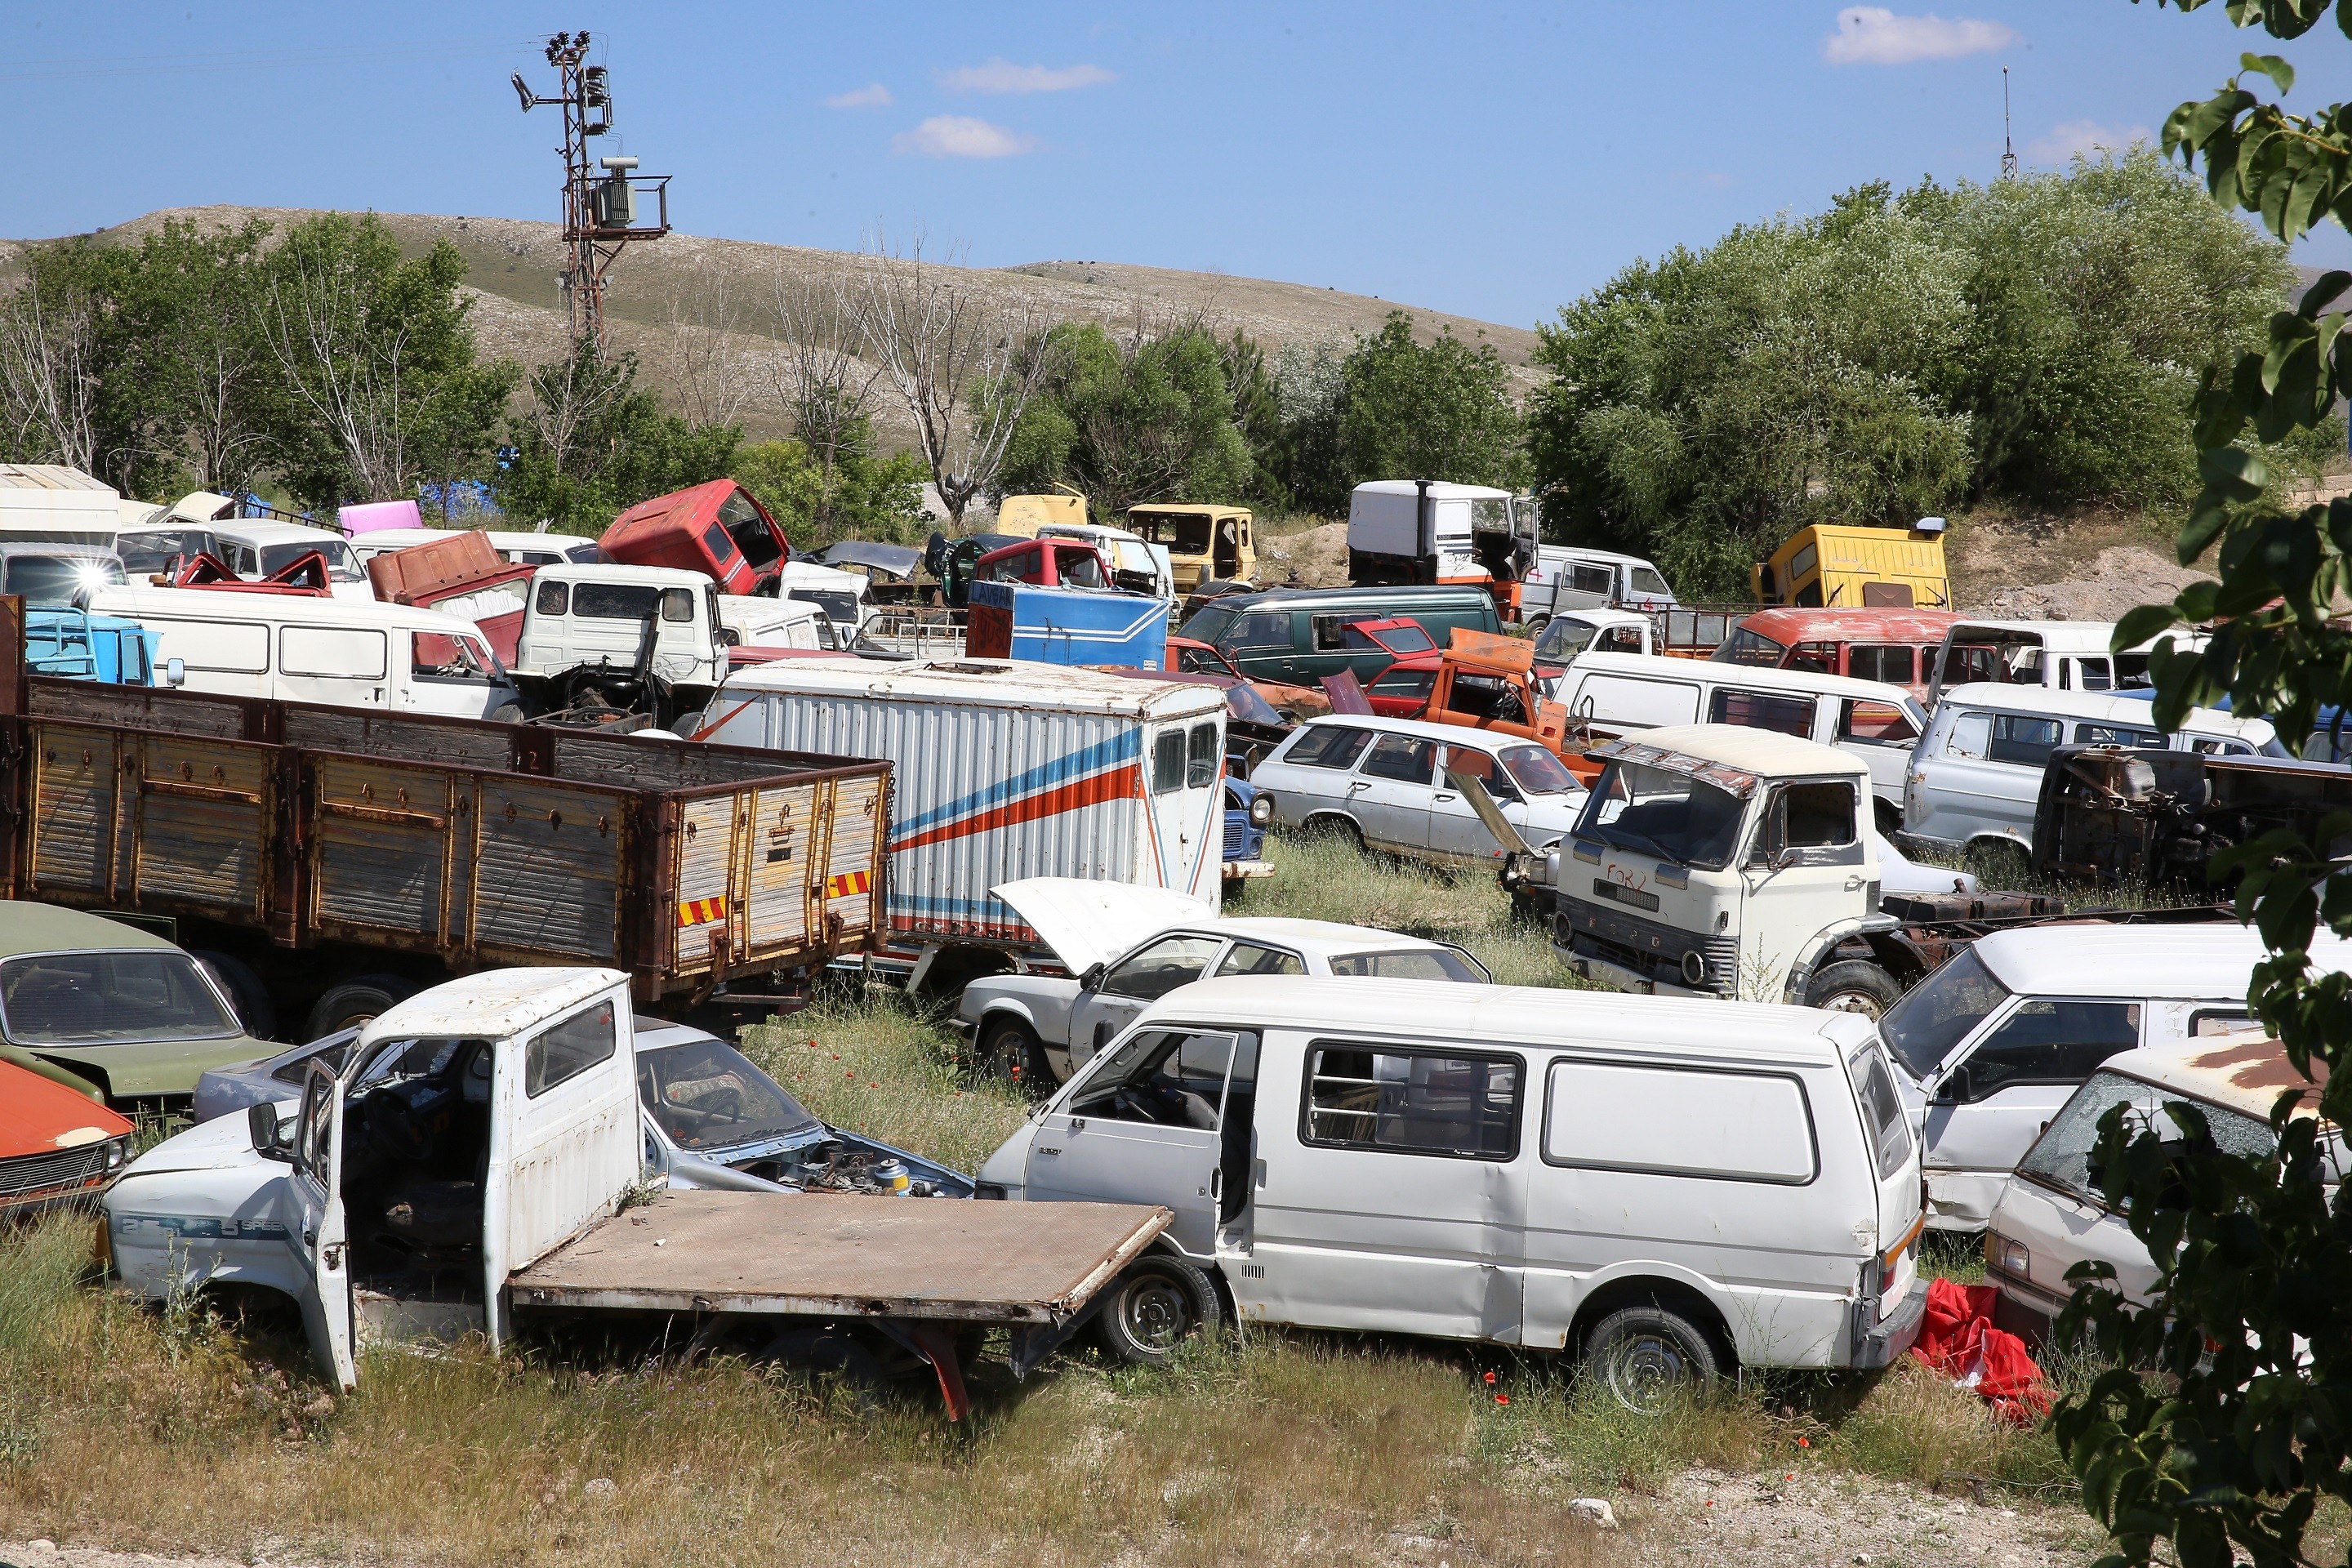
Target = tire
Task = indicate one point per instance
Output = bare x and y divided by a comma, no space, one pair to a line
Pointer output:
1536,627
1153,1307
1009,1052
1646,1355
255,1012
829,1356
507,713
356,1000
1853,986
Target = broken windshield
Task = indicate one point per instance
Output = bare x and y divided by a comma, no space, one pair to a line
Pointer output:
1652,811
708,1095
2061,1158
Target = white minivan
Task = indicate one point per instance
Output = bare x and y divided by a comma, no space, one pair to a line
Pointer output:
349,653
253,548
1867,718
2069,655
1975,778
1669,1189
1992,1044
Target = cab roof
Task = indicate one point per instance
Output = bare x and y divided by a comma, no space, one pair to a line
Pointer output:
496,1003
1765,752
1791,625
2206,960
1439,489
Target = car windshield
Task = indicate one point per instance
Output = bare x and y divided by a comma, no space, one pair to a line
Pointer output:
1210,625
1411,964
1565,638
1537,771
1744,647
708,1095
97,998
2061,1157
1184,533
342,566
1647,581
160,549
1653,811
1940,1012
55,579
1243,702
841,609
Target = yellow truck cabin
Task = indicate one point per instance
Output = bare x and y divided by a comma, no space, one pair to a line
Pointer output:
1877,568
1205,543
1025,515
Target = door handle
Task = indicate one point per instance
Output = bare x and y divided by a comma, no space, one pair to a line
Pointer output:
1443,794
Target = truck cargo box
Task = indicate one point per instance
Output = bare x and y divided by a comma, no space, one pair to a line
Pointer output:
1065,625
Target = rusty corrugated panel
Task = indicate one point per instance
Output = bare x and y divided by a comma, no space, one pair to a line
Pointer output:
848,1254
206,825
784,851
704,908
380,848
75,777
459,743
139,707
549,869
854,846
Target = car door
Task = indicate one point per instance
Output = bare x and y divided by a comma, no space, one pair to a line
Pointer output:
1135,982
1993,1095
1389,796
1143,1127
1259,645
1455,830
1881,733
1388,1192
1805,868
318,1232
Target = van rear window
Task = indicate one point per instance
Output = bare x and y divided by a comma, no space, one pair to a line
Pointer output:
1677,1122
1882,1110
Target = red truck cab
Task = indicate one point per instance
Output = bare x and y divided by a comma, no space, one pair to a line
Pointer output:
1045,562
717,529
1895,645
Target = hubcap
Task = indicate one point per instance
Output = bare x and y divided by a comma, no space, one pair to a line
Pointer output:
1644,1371
1861,1001
1156,1313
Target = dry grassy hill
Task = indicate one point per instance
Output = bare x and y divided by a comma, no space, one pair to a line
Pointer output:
688,300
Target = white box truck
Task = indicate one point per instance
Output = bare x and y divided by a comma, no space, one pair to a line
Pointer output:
1003,771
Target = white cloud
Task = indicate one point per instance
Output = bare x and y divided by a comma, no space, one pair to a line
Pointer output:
1874,36
1003,76
874,95
2069,137
960,136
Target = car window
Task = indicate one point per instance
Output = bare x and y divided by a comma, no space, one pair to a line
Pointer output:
1173,1078
553,598
1808,816
2046,1041
1470,762
569,1049
1158,969
1407,759
1882,1110
1413,684
1590,579
2096,675
1331,634
2061,1157
1880,662
1263,629
1412,1101
1411,964
1940,1012
1969,737
1167,761
2022,739
707,1095
1818,658
1536,771
1874,723
1200,759
1328,746
1078,568
1650,585
1252,958
1762,711
101,998
2116,735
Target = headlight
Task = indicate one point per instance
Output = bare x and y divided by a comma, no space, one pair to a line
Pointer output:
2008,1257
117,1151
1261,809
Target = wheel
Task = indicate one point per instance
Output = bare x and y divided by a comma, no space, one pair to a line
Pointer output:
1010,1052
1853,986
1647,1356
1339,827
831,1356
245,992
1536,627
1159,1302
357,1000
507,713
2000,862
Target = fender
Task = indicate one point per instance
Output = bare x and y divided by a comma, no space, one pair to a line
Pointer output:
1825,941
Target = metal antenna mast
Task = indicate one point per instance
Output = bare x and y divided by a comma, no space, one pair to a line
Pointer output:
600,213
2007,152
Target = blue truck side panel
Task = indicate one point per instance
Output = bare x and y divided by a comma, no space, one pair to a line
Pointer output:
1065,625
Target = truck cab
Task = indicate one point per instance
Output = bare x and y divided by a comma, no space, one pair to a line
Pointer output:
1045,563
1204,544
606,634
1489,682
1856,568
718,528
1424,530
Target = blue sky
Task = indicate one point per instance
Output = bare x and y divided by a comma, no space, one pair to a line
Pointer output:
1495,161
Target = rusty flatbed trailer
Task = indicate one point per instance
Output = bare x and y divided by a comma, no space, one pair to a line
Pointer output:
916,1268
309,842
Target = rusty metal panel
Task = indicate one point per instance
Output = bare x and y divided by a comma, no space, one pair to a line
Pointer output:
784,850
381,845
853,868
139,707
839,1253
206,825
459,742
707,897
75,809
549,862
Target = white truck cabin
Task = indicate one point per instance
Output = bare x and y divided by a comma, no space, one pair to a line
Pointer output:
593,616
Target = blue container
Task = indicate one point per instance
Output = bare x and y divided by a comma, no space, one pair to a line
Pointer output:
1065,625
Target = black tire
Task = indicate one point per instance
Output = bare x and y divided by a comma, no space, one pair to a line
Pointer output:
255,1012
1646,1355
1853,986
1154,1306
1536,627
1005,1045
830,1356
508,714
356,1000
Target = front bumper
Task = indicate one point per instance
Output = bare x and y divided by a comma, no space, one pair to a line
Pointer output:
1600,971
1242,870
1880,1343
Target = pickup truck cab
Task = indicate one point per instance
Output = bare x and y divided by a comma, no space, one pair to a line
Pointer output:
1204,544
1572,633
1666,1191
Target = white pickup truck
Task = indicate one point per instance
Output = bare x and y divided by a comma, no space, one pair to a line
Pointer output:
476,1159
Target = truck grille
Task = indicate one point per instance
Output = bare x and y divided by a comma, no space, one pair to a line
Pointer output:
1650,950
39,1175
1236,835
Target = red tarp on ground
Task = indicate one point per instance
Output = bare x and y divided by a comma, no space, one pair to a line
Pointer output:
1957,1339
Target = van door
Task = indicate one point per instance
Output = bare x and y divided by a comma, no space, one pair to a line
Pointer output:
1633,701
1388,1192
1804,870
1987,777
1187,762
1144,1127
564,1140
1993,1095
349,667
318,1234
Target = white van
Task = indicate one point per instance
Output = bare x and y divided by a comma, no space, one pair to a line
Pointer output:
516,549
756,621
1868,719
254,548
1992,1044
1665,1189
2071,655
1975,775
351,653
1573,578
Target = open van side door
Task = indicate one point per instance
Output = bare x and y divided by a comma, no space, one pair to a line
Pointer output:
319,1243
565,1143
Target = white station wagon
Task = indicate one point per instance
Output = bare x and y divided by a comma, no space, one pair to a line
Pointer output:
1389,782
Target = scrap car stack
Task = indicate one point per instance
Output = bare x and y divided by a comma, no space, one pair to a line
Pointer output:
425,873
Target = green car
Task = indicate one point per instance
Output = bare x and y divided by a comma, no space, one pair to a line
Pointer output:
88,1001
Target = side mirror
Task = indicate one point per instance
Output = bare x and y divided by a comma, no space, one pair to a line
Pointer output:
1091,978
1956,1088
175,672
267,1132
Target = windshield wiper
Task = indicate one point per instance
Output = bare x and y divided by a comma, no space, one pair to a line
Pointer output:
1660,851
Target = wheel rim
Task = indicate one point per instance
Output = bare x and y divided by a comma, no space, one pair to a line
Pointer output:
1856,1000
1155,1312
1644,1370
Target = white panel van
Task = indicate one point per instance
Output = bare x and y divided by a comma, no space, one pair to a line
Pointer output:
303,649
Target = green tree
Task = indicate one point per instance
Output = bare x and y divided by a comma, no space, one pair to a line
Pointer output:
592,443
188,371
1438,410
2244,1425
856,496
1129,421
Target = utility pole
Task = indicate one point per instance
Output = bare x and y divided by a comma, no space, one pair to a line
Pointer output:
600,214
2007,151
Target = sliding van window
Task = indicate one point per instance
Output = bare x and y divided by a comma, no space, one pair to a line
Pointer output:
1762,711
1407,1102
